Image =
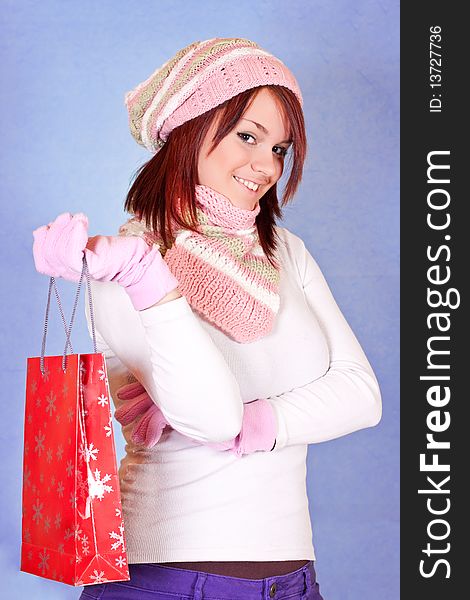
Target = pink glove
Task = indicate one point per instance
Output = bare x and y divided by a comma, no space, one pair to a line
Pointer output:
148,430
258,432
59,248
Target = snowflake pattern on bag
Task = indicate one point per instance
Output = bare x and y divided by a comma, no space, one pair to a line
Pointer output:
73,529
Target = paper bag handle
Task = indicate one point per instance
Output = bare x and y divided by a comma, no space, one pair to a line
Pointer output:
68,330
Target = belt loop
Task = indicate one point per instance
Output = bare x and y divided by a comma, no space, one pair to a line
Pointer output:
200,581
307,580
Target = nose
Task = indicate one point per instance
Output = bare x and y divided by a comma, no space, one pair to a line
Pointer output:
265,162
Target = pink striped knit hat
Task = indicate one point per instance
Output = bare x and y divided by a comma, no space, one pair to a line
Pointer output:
198,78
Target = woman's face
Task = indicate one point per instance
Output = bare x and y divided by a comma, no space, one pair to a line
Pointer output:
253,153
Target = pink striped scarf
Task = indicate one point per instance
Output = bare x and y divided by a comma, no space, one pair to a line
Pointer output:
222,270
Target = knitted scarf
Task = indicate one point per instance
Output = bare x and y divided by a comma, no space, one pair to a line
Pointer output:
222,269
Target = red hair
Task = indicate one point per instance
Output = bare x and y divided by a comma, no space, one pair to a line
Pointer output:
172,173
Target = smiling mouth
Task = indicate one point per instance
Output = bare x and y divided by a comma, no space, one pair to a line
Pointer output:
249,189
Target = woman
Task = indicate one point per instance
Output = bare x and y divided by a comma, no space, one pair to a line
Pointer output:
227,356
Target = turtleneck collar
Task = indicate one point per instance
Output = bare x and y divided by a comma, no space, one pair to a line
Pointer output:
221,268
221,212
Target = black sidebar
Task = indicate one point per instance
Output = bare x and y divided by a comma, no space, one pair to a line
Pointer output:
435,330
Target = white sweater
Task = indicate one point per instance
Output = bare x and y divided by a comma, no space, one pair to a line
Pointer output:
183,501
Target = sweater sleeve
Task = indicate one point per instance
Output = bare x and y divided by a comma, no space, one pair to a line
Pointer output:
347,397
168,351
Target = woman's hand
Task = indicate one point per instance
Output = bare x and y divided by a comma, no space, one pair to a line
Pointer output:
258,432
59,249
148,430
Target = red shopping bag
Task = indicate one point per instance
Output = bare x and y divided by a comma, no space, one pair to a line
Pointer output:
72,526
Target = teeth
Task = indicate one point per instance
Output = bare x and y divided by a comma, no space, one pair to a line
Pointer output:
248,184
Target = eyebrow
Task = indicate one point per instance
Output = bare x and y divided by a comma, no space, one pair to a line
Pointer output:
264,130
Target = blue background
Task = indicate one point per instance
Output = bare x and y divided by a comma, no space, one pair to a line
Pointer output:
66,147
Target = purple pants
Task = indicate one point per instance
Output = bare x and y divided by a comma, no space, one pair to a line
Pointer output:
154,582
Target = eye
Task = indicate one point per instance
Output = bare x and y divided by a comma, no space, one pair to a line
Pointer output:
283,151
243,136
279,150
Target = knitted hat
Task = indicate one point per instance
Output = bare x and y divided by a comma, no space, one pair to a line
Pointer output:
198,78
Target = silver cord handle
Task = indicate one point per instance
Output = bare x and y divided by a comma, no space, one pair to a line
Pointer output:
68,330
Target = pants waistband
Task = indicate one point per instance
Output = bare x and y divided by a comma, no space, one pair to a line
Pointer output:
206,585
